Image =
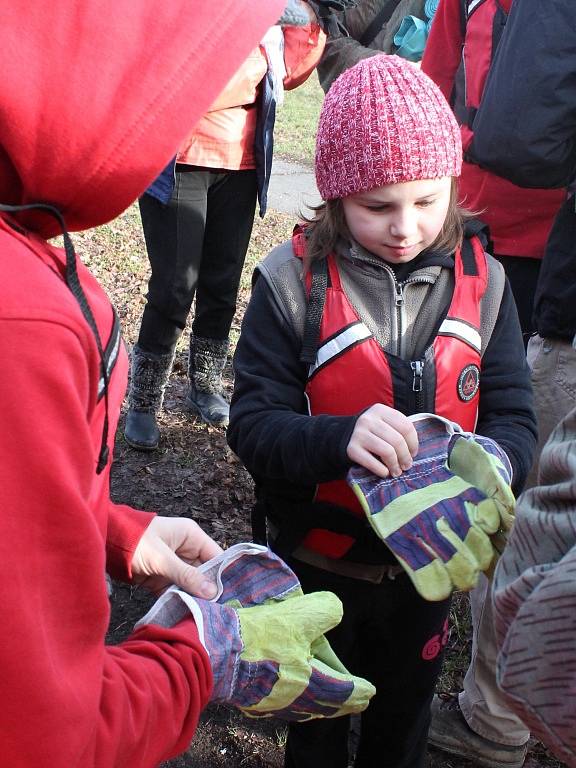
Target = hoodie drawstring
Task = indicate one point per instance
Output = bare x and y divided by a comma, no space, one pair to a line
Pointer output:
73,283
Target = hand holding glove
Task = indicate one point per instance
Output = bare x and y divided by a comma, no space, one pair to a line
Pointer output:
440,517
266,639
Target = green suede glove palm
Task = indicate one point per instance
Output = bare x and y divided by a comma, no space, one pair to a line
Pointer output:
275,660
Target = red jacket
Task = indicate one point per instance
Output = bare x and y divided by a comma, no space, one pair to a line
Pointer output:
519,219
92,103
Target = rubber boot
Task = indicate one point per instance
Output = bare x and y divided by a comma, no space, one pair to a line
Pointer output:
205,365
148,378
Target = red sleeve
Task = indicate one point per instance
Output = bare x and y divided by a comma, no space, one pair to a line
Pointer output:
303,47
67,698
125,529
444,46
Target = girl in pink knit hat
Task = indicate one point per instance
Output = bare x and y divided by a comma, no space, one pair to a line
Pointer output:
381,306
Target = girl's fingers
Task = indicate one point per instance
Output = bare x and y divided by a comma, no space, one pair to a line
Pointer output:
368,461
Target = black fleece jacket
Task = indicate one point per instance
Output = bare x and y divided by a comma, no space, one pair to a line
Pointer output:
282,446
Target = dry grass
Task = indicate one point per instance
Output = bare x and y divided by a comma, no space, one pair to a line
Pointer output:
296,121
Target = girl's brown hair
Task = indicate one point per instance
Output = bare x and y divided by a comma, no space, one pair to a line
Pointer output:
328,225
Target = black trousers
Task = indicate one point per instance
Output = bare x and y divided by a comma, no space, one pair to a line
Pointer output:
196,246
394,638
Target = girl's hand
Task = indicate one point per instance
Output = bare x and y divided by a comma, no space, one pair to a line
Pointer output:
384,441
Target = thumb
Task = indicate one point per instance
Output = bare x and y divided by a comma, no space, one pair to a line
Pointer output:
317,613
187,577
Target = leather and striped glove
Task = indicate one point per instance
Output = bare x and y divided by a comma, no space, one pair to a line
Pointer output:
444,518
267,661
265,639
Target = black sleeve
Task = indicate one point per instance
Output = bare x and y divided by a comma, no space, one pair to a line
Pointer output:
340,54
270,429
506,412
525,128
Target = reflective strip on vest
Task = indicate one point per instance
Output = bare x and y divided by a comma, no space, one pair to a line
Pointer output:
460,330
339,344
473,5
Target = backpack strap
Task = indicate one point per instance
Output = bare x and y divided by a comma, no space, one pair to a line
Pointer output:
475,228
466,115
314,310
463,17
378,22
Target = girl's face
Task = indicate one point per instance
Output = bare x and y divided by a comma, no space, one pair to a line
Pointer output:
398,221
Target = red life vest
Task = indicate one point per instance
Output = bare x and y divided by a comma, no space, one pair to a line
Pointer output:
483,22
352,371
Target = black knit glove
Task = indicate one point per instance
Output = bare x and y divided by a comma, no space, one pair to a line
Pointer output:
329,13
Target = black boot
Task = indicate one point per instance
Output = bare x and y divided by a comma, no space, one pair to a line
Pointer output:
206,363
148,379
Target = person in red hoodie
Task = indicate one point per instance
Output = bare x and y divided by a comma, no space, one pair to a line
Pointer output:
95,99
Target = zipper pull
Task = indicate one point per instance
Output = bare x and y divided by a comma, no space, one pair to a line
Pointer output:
418,370
399,294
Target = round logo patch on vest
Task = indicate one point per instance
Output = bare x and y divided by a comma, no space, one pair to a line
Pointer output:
468,382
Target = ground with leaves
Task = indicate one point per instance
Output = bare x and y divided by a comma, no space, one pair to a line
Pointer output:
194,474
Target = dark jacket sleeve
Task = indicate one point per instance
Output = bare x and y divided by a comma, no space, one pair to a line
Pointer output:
525,129
343,52
270,429
506,412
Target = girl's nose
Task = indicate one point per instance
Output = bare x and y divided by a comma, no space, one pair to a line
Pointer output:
403,224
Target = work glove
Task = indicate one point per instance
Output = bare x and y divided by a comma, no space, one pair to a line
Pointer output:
445,517
248,574
271,658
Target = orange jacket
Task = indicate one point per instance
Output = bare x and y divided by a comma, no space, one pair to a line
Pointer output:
224,137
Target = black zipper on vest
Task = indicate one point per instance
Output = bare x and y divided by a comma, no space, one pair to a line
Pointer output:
417,383
399,303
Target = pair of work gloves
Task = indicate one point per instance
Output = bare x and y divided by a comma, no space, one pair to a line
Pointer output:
265,639
446,519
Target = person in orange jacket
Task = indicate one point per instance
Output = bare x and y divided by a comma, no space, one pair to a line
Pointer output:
197,220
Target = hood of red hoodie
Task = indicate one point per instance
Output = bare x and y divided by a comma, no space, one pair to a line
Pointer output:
95,97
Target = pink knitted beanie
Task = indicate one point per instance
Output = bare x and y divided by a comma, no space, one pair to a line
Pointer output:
384,121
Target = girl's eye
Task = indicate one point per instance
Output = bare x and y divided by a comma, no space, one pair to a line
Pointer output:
377,208
425,203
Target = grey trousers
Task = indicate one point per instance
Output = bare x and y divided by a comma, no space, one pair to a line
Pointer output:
553,365
481,702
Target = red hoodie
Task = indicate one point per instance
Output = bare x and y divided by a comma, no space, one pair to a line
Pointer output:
95,98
